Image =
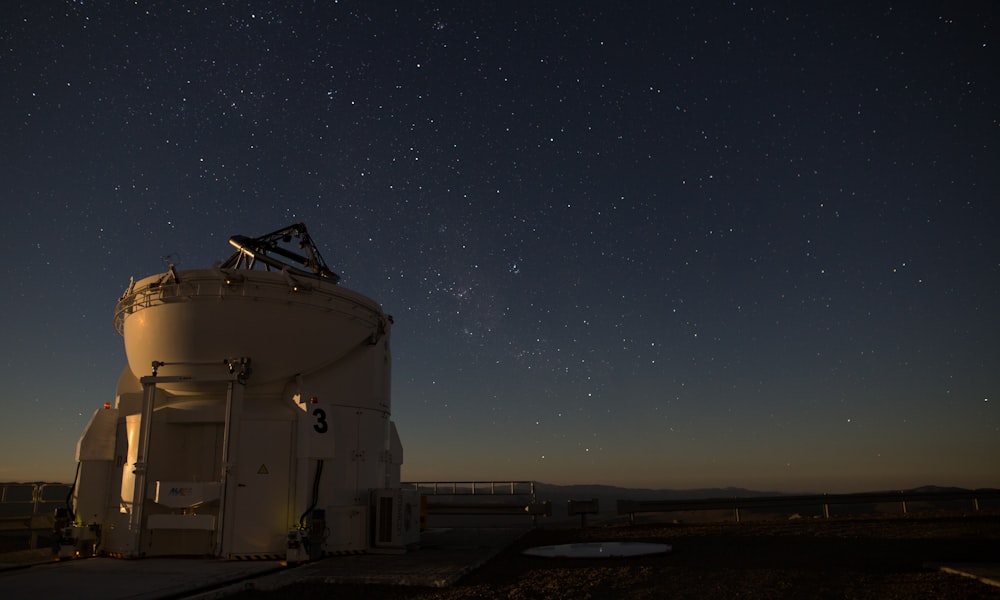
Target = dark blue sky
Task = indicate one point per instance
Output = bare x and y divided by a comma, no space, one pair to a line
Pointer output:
748,244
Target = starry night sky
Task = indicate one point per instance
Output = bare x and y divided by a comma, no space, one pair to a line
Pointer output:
661,245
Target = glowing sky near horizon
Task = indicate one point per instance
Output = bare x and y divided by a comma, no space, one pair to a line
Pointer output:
658,245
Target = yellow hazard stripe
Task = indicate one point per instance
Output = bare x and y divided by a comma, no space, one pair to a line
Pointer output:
257,557
344,552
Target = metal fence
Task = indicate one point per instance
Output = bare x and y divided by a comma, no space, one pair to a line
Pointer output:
473,488
972,497
480,498
28,509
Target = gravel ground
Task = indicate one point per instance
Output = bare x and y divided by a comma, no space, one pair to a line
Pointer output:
883,558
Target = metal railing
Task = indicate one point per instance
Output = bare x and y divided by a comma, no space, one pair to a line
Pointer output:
220,284
454,498
633,507
28,508
472,488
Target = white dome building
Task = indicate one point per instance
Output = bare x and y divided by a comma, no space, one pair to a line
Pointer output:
252,420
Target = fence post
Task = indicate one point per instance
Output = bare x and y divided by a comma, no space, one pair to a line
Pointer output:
36,498
582,508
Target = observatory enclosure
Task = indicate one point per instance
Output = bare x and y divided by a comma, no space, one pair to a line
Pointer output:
252,419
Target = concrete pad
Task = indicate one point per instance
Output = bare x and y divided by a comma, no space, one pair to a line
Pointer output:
441,559
119,579
24,558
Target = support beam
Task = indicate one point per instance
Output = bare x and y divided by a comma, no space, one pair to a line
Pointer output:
229,481
141,465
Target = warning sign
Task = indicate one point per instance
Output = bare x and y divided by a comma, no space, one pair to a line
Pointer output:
262,470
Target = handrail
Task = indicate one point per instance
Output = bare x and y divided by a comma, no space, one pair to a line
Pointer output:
472,488
36,519
516,498
632,507
223,285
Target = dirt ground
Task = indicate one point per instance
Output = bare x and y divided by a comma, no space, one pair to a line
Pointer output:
878,558
882,557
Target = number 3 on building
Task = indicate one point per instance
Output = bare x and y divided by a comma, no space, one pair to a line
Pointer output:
320,426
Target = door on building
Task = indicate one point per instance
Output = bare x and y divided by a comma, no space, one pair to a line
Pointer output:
263,488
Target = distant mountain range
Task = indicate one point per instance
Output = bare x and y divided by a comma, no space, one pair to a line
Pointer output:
608,496
581,492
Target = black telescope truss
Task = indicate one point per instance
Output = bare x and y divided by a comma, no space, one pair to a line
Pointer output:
270,250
